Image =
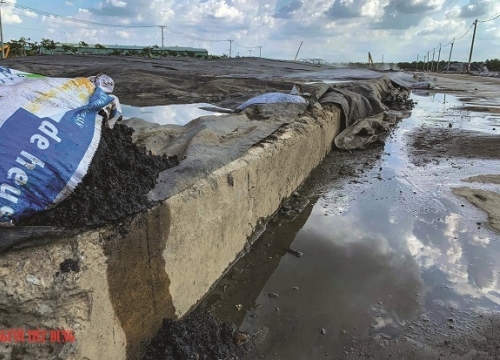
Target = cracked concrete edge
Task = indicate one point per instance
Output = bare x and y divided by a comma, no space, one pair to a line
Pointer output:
213,219
165,263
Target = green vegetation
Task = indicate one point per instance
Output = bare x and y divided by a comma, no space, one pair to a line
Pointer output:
493,64
18,47
69,49
48,44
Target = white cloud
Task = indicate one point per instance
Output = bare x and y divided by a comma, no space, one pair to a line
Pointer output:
117,3
123,34
221,10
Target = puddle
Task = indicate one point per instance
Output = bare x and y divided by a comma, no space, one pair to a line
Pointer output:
168,114
392,246
442,109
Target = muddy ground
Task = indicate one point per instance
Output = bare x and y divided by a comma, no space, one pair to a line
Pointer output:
227,83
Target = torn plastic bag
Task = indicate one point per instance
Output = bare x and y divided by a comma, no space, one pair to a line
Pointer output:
271,98
423,85
49,131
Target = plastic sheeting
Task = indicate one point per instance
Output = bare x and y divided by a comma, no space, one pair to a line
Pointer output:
210,142
271,98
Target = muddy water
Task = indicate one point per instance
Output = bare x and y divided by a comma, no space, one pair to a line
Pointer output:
382,247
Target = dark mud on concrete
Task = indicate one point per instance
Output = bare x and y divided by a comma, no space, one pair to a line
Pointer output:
199,335
117,182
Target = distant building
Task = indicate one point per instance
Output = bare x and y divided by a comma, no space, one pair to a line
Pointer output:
128,50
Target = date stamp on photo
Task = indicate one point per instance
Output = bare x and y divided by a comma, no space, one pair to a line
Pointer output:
36,336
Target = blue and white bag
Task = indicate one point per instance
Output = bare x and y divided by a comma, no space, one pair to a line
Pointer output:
49,131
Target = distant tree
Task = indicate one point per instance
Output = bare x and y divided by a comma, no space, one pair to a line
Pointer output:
34,48
147,52
69,49
99,46
18,47
132,52
493,64
117,52
83,44
49,44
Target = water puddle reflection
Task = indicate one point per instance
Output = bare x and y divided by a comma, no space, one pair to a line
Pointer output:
168,114
392,246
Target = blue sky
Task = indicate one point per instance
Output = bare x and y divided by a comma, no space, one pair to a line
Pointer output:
333,30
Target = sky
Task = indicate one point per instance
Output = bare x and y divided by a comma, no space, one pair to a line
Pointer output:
332,30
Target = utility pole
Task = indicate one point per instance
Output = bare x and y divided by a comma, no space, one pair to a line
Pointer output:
439,57
449,58
260,51
472,46
297,54
1,30
424,63
162,27
416,64
382,58
432,63
249,53
428,60
230,47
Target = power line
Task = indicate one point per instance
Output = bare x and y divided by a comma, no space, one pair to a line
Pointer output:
70,19
492,18
461,37
246,47
55,17
79,21
25,28
187,36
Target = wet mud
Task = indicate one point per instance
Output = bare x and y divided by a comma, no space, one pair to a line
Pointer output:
199,335
432,144
118,180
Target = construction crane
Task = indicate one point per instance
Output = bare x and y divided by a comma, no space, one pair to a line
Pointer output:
370,59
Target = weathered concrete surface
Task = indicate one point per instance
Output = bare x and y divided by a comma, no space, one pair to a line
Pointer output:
165,260
212,220
35,294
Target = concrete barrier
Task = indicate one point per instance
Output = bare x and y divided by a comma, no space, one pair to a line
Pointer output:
161,263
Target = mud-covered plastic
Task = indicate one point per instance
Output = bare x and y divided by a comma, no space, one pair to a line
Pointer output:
423,85
271,98
50,129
